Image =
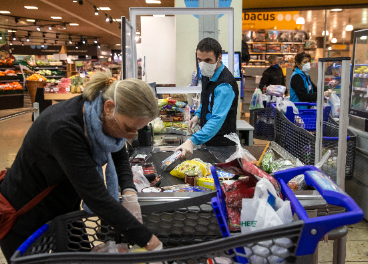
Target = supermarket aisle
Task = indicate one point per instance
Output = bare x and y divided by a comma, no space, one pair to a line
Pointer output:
12,133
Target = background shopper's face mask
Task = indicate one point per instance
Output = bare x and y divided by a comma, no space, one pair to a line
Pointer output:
207,69
306,67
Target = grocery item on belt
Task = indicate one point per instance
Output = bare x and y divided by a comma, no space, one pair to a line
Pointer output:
173,187
151,189
169,161
190,189
196,165
207,183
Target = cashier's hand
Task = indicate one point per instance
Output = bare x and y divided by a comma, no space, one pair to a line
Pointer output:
192,123
186,148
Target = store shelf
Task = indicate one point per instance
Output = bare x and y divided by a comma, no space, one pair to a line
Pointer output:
50,68
59,96
360,75
275,53
360,89
54,76
300,43
7,67
9,78
179,90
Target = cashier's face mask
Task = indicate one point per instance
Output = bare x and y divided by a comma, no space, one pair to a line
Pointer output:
207,69
306,67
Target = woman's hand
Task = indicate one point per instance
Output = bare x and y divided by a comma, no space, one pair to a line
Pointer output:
154,244
130,202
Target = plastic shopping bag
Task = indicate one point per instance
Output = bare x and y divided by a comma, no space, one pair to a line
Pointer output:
282,105
140,181
240,151
258,213
158,125
334,101
276,90
257,100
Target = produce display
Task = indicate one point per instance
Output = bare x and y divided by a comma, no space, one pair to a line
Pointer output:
36,77
8,73
171,110
77,84
6,62
10,86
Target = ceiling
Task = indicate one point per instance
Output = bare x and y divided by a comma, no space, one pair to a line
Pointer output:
299,3
336,22
90,25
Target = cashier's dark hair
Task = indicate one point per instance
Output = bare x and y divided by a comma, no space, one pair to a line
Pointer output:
299,58
134,98
208,45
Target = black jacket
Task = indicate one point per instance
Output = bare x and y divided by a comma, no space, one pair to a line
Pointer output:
208,90
272,76
56,151
301,92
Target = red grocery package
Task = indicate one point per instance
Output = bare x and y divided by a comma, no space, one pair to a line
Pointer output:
234,198
233,216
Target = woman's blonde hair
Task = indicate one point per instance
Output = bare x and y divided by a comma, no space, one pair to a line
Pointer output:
134,97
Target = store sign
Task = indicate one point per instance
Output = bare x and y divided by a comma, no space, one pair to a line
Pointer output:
339,47
51,50
194,3
270,20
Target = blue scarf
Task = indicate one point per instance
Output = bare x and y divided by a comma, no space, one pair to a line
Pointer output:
102,145
275,66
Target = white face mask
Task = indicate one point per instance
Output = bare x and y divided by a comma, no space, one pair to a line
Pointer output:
306,67
207,69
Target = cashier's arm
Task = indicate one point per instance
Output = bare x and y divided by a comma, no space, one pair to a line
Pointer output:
224,96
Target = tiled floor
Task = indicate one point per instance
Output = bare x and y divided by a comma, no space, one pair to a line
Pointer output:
12,132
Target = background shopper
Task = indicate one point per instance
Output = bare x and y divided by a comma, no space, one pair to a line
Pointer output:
67,145
273,75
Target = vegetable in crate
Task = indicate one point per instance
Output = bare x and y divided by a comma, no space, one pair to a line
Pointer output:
267,161
281,164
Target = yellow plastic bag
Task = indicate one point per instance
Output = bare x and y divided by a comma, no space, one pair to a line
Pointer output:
190,165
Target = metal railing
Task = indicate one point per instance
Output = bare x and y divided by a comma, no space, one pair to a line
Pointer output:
35,110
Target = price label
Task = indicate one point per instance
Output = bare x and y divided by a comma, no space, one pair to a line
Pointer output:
40,80
47,90
67,89
56,89
82,89
82,75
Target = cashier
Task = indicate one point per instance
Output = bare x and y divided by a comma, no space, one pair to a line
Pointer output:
67,145
219,100
302,89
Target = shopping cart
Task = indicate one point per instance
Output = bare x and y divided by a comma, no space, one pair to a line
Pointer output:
262,120
295,242
190,233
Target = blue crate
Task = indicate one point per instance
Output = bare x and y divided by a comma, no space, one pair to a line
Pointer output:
308,116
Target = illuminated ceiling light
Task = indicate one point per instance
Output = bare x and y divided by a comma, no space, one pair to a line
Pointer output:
31,7
118,44
22,43
327,33
300,21
349,26
73,24
38,29
336,10
75,1
11,43
104,8
27,39
334,40
110,54
159,15
50,27
363,37
96,40
31,20
136,38
138,33
96,11
76,45
4,12
329,48
70,42
106,19
98,46
1,37
117,20
11,30
56,17
153,2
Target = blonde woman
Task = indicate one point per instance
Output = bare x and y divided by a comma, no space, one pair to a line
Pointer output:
67,145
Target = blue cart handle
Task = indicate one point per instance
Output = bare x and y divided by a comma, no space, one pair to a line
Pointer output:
26,244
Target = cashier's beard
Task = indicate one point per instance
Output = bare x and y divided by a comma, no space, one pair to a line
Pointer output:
111,127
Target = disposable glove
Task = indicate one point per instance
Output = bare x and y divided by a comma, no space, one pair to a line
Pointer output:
192,123
130,202
154,244
186,148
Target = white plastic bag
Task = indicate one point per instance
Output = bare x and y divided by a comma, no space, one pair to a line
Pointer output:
140,181
334,102
257,101
276,90
240,151
257,213
282,105
158,125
